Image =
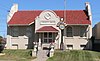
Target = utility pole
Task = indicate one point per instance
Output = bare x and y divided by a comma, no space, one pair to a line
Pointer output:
64,10
61,26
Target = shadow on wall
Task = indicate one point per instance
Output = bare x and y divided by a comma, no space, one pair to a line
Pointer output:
30,44
95,44
88,46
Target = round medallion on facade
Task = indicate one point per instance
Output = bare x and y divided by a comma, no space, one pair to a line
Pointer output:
47,16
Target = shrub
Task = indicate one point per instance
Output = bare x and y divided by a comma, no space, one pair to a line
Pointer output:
1,44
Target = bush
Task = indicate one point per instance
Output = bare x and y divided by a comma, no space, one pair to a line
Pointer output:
1,44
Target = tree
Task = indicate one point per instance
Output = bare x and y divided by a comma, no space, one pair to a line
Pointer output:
1,39
1,44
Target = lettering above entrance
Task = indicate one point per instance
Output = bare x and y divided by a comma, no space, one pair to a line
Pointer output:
48,22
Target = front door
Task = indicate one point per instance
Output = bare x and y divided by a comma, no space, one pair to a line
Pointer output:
47,37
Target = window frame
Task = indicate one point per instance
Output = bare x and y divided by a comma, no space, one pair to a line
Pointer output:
70,46
15,31
67,31
48,38
83,32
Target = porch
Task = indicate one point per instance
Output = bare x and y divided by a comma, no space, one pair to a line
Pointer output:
45,36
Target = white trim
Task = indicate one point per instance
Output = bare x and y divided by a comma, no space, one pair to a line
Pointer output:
47,31
31,23
77,24
18,25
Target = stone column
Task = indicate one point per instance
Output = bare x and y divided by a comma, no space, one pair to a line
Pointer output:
8,45
39,43
52,51
34,52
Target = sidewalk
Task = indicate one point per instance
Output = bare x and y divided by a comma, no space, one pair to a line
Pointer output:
41,56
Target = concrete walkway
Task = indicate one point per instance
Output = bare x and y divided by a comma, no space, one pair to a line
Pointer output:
41,56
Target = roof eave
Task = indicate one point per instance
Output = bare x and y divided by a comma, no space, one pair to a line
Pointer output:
18,24
21,24
31,23
77,24
46,31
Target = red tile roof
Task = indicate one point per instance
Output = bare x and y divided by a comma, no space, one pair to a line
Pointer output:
75,16
24,17
72,17
47,29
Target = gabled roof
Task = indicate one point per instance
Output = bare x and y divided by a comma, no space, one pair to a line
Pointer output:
75,16
24,17
47,29
72,17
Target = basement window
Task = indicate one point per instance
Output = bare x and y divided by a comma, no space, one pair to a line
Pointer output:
69,47
15,46
82,47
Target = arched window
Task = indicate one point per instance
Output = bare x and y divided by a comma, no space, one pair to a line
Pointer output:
69,31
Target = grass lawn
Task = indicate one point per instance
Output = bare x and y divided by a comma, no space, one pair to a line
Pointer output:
17,55
75,55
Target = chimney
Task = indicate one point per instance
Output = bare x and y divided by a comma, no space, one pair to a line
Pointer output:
88,9
14,9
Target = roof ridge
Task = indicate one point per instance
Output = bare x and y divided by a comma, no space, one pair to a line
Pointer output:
30,10
53,10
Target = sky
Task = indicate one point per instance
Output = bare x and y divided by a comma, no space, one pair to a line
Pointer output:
5,6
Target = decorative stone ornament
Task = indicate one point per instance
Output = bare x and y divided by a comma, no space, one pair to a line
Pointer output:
34,52
52,51
47,16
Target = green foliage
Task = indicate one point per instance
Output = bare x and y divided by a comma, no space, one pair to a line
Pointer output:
75,55
1,37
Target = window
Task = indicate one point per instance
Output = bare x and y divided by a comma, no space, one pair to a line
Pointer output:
45,34
83,32
15,32
69,31
70,47
48,37
83,46
26,44
15,46
28,32
76,31
28,29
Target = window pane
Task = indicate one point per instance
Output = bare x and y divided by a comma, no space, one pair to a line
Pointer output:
45,40
45,34
82,46
69,32
83,32
50,35
77,31
50,40
28,34
70,47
